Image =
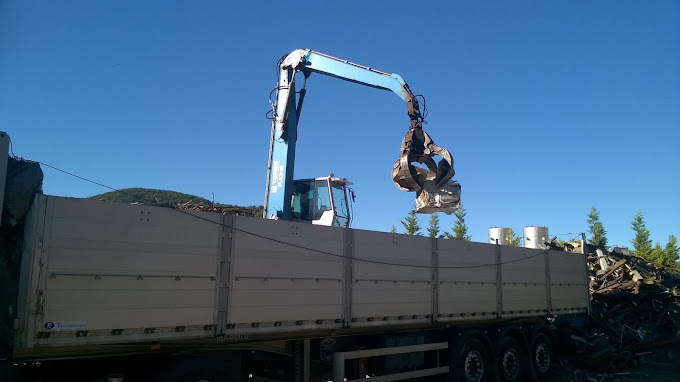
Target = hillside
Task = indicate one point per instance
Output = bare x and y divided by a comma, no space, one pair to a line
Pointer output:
149,196
176,200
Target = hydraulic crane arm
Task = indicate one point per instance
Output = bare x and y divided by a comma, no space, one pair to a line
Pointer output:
309,61
417,146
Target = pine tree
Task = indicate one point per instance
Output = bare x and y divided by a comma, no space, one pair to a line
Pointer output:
393,230
656,255
410,224
459,227
433,230
598,234
511,239
642,246
671,252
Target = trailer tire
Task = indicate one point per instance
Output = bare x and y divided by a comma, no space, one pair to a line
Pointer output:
541,357
471,362
510,361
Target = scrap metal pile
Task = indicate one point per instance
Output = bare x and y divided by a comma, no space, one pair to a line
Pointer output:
635,312
224,209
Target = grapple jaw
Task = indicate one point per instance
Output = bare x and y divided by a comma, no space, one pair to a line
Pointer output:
435,192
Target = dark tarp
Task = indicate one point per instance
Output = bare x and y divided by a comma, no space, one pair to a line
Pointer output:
24,180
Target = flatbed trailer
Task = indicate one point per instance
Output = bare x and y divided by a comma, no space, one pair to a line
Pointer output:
144,291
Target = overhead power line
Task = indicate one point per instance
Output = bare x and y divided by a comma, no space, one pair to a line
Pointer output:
292,244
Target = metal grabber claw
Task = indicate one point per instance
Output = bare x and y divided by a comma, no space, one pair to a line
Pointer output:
435,191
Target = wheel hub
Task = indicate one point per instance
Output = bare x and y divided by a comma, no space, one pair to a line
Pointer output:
510,364
542,357
474,366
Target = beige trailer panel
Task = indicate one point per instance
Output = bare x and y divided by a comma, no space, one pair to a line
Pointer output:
375,252
523,265
467,299
126,302
270,248
523,273
467,279
465,261
116,267
378,299
95,236
565,268
259,301
118,273
524,298
381,289
568,282
285,272
568,299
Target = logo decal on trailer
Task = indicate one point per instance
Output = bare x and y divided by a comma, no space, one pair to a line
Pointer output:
64,325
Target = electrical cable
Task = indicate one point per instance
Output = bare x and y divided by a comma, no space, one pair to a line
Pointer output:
85,179
273,110
296,245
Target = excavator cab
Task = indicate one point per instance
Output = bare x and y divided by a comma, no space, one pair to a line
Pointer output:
322,201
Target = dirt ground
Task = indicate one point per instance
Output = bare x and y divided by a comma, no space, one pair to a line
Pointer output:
648,372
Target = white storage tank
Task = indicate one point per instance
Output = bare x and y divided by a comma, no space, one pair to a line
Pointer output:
498,233
536,237
621,250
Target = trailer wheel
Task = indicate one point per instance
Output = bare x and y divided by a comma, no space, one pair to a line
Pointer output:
471,362
510,358
540,356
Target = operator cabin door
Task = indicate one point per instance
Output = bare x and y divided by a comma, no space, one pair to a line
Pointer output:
312,202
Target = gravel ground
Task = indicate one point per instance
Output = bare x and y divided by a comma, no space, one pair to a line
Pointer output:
649,372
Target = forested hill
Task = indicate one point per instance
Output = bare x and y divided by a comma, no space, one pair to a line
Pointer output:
174,199
149,196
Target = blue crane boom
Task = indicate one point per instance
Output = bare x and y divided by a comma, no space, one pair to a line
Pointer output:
416,147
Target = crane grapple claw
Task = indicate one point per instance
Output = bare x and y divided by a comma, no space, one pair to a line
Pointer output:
435,192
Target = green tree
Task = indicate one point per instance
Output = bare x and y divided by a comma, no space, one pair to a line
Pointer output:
642,246
671,252
656,255
511,239
459,227
410,224
598,234
433,230
393,230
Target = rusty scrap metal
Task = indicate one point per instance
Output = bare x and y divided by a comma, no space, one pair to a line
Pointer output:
635,305
221,208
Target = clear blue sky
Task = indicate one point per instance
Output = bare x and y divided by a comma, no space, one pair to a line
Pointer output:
548,107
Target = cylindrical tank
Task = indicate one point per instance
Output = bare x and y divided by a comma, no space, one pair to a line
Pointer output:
621,250
498,233
536,237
